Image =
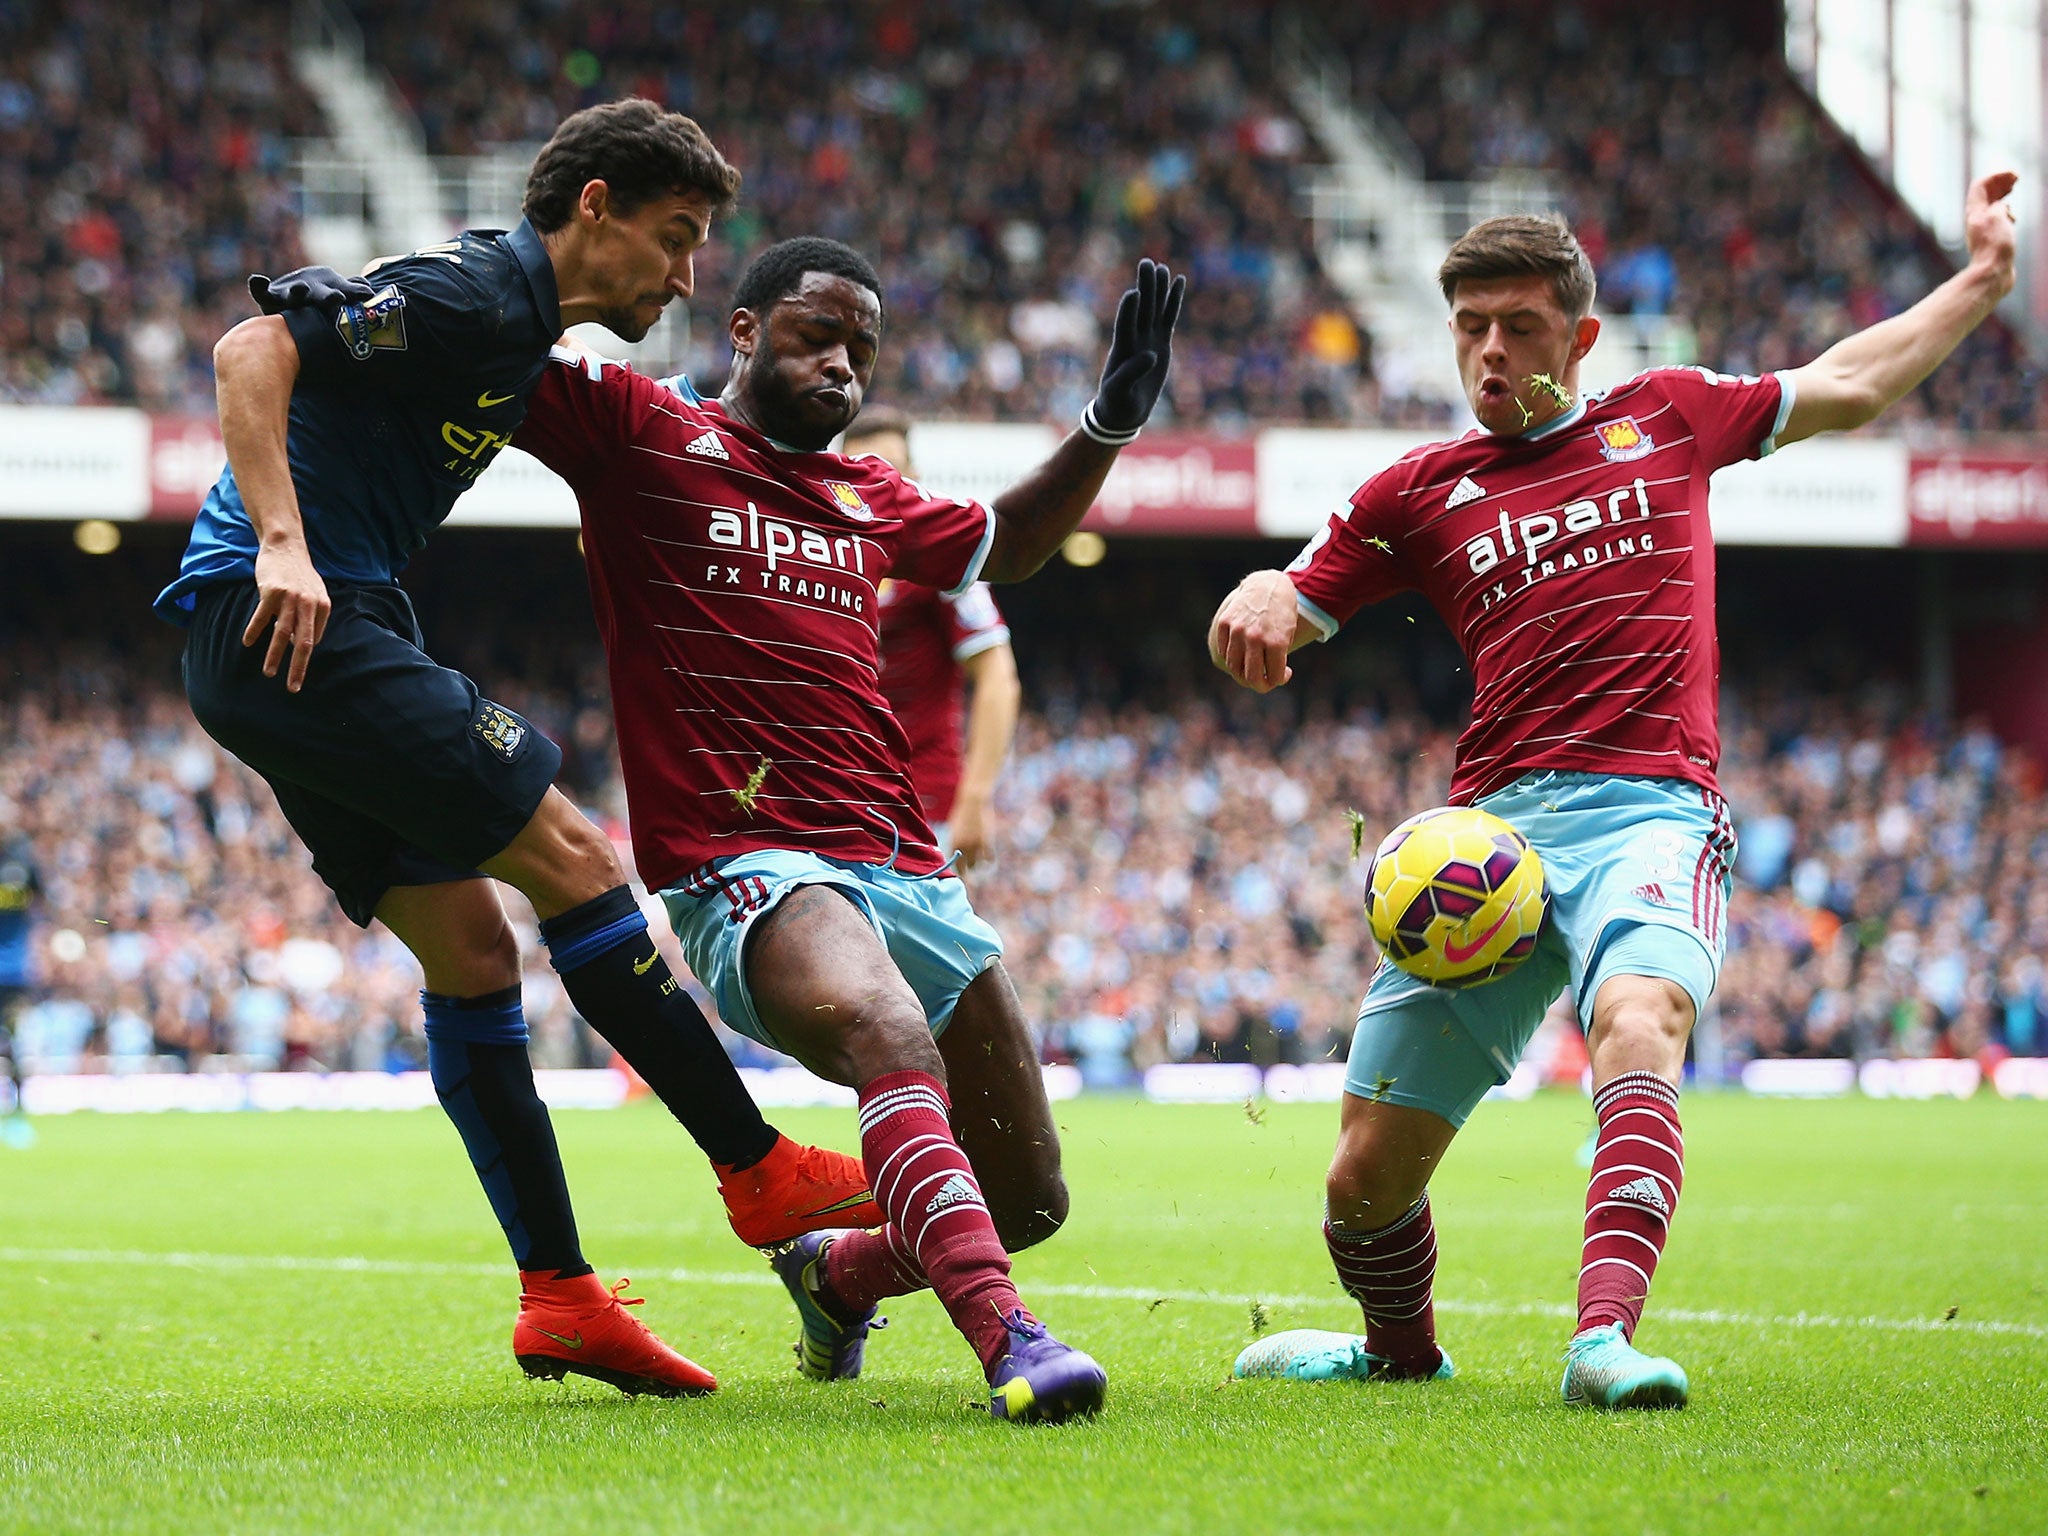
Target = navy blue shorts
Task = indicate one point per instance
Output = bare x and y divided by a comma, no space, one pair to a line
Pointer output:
393,769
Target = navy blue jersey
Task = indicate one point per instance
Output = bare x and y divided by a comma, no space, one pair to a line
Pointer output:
401,402
18,890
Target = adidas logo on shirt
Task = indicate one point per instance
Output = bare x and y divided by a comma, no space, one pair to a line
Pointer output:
1467,489
1643,1191
955,1191
708,446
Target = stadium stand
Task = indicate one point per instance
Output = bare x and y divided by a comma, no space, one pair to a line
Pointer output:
1003,164
1704,182
1176,882
204,937
150,147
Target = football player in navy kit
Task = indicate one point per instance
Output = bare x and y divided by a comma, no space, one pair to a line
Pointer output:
351,428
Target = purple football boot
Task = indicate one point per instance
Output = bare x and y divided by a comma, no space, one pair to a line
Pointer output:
1039,1380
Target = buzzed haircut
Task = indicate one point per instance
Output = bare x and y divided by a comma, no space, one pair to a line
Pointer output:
636,149
779,271
1522,245
875,420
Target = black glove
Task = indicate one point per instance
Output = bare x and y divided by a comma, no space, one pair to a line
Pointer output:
1140,348
320,288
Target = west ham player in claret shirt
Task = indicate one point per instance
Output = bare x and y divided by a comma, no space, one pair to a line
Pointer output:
946,664
1566,543
734,565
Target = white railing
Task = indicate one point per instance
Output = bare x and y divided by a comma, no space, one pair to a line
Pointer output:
485,191
1381,228
1379,224
326,28
460,191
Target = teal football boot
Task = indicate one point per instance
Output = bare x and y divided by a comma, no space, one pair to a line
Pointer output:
1316,1354
1603,1370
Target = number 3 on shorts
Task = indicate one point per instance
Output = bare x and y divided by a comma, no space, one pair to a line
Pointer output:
1668,847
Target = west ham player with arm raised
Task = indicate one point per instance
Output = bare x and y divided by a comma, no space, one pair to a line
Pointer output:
734,563
350,433
1567,545
938,649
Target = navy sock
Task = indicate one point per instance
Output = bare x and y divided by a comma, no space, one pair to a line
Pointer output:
476,1054
619,982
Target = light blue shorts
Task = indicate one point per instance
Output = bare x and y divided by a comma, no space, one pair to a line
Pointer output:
925,921
1639,876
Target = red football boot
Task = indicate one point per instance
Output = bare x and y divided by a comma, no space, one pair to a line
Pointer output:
796,1189
580,1325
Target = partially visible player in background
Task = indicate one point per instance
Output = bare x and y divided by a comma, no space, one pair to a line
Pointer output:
939,652
350,433
1567,545
20,886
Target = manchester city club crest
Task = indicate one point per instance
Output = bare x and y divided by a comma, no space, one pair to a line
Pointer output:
1623,440
500,729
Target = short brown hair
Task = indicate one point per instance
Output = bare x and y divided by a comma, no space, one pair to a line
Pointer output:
875,420
637,150
1522,245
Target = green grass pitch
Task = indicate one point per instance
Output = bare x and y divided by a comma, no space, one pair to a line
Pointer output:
329,1348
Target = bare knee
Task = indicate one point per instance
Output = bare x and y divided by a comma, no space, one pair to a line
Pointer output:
483,960
1362,1193
1385,1158
1636,1028
1640,1024
499,952
458,933
1029,1216
560,859
890,1038
588,864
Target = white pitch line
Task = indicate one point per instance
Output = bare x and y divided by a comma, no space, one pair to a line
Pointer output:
346,1265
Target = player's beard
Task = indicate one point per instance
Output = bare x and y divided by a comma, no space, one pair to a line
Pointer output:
625,323
778,405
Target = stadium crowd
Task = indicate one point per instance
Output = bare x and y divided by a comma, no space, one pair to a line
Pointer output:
1003,162
1173,884
149,149
1706,186
1177,883
179,920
